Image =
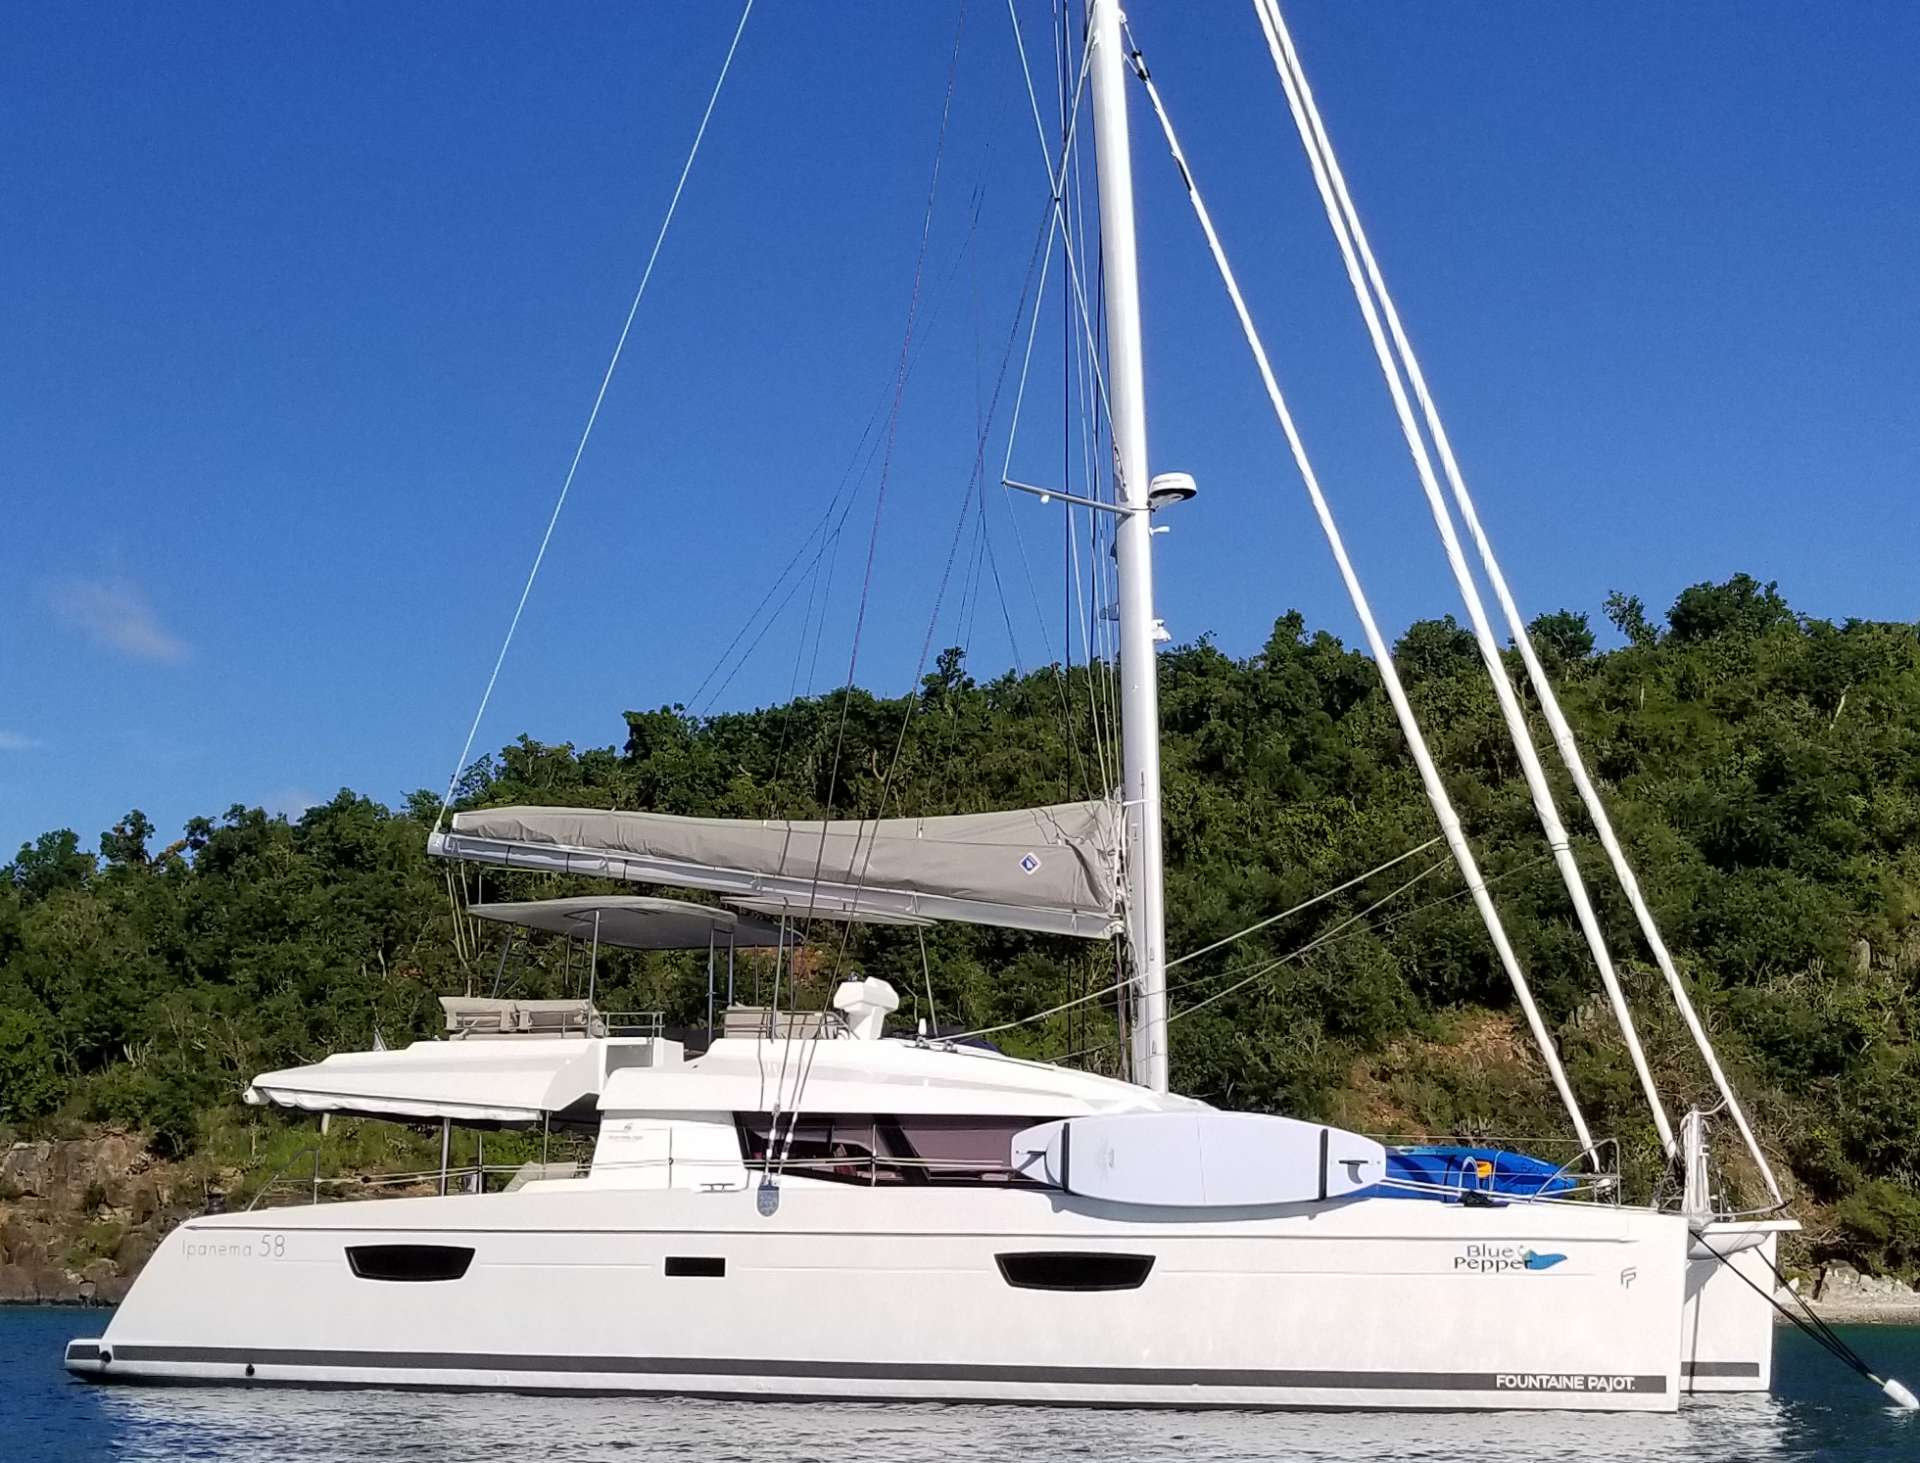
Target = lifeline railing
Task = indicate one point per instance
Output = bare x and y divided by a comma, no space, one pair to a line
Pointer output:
474,1178
466,1179
1601,1184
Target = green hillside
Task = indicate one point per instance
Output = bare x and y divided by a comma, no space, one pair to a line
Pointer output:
1763,769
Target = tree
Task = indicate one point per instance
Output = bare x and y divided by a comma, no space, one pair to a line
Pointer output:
1434,650
1561,637
1763,771
126,842
52,862
1741,606
1628,612
30,1084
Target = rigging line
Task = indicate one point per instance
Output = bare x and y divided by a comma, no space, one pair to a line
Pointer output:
1416,740
893,427
1055,181
793,689
593,416
1084,610
1124,982
1069,730
1045,245
866,587
1562,732
1340,931
1815,1326
1299,908
1076,353
1000,592
1500,878
976,484
1337,932
1545,806
1276,918
753,645
826,517
1311,945
926,971
773,587
856,469
1070,586
1059,219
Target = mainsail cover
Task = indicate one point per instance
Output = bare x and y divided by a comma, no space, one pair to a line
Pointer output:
1052,869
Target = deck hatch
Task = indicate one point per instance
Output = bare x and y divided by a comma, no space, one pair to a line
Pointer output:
1074,1270
409,1262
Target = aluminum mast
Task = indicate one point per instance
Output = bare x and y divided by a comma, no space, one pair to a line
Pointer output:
1140,694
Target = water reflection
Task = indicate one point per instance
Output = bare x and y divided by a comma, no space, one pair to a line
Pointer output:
352,1427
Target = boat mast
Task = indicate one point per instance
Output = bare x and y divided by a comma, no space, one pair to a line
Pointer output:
1139,694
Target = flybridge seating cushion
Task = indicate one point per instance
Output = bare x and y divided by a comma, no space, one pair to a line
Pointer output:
764,1021
472,1016
1447,1173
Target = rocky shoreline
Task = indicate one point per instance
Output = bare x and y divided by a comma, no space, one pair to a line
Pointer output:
79,1217
1843,1295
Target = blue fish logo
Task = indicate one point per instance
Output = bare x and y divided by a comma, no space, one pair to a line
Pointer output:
1540,1262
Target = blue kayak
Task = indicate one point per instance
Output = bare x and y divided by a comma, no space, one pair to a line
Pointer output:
1452,1174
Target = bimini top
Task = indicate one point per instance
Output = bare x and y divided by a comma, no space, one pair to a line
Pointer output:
1053,869
634,922
803,907
466,1081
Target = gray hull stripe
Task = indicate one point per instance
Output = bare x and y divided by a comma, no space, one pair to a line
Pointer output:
682,1366
1719,1368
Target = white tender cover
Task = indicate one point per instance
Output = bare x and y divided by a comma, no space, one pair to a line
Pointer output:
468,1081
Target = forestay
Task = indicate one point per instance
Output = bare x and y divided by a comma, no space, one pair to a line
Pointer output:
1052,869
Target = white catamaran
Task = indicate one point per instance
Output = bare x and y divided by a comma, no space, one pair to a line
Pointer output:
810,1207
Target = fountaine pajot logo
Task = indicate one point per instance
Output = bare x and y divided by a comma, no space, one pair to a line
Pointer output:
1497,1259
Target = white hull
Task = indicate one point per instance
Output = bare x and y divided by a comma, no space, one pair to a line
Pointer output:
1728,1325
856,1292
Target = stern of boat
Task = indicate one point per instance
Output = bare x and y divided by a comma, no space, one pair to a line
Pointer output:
1727,1321
87,1356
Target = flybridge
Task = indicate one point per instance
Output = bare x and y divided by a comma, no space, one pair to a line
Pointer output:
1053,870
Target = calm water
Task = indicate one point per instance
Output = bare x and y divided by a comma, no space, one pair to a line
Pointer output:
1819,1411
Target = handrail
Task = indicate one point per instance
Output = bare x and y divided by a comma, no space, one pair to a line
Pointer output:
280,1173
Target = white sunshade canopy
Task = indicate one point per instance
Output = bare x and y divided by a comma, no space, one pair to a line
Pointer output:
1054,870
635,922
467,1081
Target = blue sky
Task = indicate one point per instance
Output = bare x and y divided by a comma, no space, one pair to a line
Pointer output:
305,307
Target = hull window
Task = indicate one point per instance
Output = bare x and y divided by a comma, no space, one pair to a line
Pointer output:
1074,1270
409,1262
712,1267
877,1149
834,1146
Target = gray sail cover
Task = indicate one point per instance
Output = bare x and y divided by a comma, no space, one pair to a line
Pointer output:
1053,869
